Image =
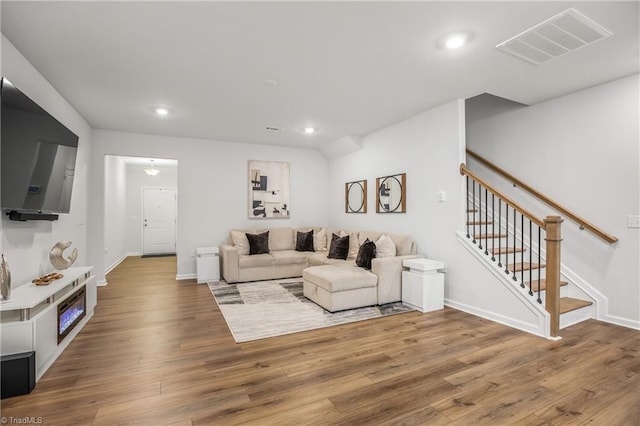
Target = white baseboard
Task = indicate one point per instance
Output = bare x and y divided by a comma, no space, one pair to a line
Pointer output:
624,322
537,329
114,264
134,254
101,283
192,276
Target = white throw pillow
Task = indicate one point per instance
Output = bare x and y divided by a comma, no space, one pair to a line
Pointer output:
385,247
240,241
320,240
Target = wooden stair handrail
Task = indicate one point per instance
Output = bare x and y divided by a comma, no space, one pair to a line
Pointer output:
465,171
584,224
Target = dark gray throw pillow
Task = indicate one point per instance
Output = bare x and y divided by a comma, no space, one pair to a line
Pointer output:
304,241
339,248
365,254
258,243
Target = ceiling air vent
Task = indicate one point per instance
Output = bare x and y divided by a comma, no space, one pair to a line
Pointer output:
274,129
557,36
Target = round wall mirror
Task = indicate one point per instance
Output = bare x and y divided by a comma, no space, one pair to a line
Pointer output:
356,197
391,195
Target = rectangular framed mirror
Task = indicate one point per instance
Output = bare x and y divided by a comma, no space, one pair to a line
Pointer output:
355,197
391,194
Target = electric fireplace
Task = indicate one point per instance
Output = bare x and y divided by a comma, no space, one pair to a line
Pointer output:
70,312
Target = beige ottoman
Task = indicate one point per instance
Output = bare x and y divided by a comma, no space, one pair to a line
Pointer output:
340,287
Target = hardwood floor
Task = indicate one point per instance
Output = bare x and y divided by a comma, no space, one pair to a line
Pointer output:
158,352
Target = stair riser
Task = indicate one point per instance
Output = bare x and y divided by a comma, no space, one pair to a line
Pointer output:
570,318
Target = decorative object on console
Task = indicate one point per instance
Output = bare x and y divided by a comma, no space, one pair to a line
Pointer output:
355,197
5,279
47,279
339,248
268,190
366,253
55,255
391,194
304,241
258,243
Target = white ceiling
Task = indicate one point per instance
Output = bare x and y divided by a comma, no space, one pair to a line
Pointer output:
347,68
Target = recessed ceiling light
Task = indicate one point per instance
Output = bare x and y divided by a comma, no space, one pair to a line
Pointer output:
309,130
455,41
162,111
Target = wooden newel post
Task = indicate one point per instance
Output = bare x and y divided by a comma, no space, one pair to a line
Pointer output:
552,301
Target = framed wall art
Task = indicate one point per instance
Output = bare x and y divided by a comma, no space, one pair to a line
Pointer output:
355,197
391,194
269,190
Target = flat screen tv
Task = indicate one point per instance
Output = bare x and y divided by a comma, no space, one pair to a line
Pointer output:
38,158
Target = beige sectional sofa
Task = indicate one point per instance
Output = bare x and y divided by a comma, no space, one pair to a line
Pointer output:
332,283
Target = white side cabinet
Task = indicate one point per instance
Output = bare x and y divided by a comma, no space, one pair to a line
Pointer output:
423,284
207,264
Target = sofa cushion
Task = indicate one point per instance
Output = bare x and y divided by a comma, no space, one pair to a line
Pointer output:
403,243
368,235
257,260
335,278
354,245
281,239
258,243
289,257
385,247
240,241
304,241
339,248
365,254
320,240
319,259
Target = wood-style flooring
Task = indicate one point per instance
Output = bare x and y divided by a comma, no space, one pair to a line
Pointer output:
158,352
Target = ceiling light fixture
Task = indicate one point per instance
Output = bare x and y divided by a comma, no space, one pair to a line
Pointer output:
309,130
161,111
151,171
455,41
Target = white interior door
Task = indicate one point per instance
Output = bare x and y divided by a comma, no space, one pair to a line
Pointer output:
158,221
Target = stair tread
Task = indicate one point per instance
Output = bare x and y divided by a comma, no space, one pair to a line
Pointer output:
568,304
543,284
523,266
485,236
503,250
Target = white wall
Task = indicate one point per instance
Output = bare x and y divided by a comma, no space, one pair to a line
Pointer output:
27,244
115,219
212,188
428,148
136,180
582,150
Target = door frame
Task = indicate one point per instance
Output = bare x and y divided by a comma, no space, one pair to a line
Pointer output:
175,215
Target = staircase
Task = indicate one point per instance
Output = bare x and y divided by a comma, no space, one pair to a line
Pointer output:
524,252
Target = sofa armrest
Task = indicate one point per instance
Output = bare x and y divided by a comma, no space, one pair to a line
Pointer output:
389,273
230,259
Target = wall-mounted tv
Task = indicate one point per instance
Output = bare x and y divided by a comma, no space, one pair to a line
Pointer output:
38,159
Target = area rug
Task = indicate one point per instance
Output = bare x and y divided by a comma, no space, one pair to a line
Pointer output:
258,310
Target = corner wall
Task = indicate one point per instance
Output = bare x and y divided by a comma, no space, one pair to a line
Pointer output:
582,150
212,188
27,244
429,148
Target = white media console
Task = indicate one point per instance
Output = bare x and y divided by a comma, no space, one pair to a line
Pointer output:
31,318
